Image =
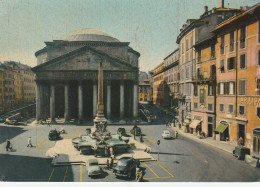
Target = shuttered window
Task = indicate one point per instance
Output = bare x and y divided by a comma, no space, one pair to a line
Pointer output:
242,87
221,107
230,109
222,45
210,90
195,90
241,110
242,37
231,88
210,106
231,63
231,45
226,88
242,61
222,66
221,88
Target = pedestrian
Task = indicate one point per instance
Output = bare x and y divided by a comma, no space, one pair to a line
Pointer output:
111,152
141,138
111,163
29,142
48,124
8,145
240,141
108,164
106,151
176,134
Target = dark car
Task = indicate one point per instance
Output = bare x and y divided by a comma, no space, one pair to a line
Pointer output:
125,167
136,130
121,132
54,135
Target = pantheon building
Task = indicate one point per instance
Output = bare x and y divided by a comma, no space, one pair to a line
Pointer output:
67,77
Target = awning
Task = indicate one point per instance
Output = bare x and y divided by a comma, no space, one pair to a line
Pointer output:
194,123
221,128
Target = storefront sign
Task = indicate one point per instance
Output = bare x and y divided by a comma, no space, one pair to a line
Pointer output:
250,100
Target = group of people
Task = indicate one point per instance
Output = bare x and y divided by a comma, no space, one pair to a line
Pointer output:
9,146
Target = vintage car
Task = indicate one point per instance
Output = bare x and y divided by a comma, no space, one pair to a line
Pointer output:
166,135
136,130
54,135
126,167
240,152
118,144
121,131
93,168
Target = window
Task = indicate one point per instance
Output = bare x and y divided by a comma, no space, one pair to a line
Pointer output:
242,110
222,45
221,88
242,87
187,72
195,105
187,56
222,66
191,55
242,61
258,86
258,112
210,106
212,51
231,109
242,37
221,107
199,55
231,88
231,63
212,71
231,45
198,73
259,57
191,41
187,44
210,90
195,90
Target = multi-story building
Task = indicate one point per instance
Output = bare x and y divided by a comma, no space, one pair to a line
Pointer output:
28,83
18,88
1,90
238,79
160,87
9,89
204,100
145,94
171,77
186,39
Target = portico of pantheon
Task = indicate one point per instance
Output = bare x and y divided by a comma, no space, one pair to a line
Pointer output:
67,75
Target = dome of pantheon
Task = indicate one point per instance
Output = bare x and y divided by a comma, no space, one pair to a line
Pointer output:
89,35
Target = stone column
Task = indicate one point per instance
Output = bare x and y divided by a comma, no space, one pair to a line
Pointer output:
109,100
52,104
38,102
94,98
67,112
122,104
135,100
80,100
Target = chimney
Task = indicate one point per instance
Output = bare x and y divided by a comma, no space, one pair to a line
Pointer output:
205,9
221,3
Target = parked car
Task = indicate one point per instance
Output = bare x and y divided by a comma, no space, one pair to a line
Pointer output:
240,152
166,135
93,168
2,120
126,167
54,135
11,122
136,130
121,131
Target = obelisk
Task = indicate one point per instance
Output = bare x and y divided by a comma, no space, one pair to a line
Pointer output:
100,119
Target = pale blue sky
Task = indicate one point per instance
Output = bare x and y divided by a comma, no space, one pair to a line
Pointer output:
151,26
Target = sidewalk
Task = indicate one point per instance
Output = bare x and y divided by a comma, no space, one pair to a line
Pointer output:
217,144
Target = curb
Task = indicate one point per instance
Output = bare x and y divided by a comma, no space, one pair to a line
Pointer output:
223,149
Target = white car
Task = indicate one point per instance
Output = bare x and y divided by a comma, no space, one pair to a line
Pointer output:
166,135
93,168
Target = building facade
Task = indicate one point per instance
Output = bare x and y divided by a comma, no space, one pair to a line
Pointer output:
160,87
67,73
204,87
1,90
237,62
145,92
171,77
186,39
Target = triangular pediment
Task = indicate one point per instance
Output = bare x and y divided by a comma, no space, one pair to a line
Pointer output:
84,59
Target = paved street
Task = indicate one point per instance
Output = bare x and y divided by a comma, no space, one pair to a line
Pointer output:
180,159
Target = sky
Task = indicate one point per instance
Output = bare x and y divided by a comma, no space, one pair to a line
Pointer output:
151,26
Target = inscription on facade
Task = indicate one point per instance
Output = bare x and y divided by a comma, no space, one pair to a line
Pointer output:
250,101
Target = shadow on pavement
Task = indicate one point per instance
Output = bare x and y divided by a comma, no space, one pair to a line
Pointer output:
9,132
163,153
